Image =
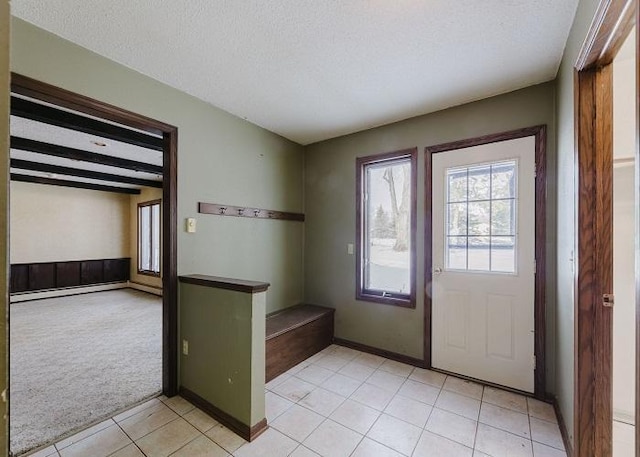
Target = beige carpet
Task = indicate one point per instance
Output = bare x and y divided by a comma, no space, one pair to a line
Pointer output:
75,360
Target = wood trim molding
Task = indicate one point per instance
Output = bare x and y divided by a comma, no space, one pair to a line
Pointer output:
593,86
170,261
60,118
592,396
217,282
219,209
637,216
75,184
80,173
24,144
244,431
540,134
381,352
611,25
38,90
367,295
563,428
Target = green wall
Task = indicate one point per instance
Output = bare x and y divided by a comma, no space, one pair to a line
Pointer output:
330,212
566,231
4,210
226,334
221,159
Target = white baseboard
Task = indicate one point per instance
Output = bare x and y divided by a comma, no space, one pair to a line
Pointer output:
37,295
145,288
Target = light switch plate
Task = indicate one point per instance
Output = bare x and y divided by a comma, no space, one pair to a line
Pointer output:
350,248
191,225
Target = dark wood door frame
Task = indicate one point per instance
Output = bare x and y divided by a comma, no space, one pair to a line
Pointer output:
593,333
540,240
41,91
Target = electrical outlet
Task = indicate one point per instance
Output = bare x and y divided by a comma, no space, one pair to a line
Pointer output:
185,347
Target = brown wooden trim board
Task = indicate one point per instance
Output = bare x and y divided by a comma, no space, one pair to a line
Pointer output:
593,104
217,282
242,430
381,352
219,209
563,428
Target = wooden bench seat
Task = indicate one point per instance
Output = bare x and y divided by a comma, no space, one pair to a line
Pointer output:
295,334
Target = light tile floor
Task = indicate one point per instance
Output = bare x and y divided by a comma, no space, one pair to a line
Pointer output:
340,402
624,439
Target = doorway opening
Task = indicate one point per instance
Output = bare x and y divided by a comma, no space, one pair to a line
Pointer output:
153,238
596,216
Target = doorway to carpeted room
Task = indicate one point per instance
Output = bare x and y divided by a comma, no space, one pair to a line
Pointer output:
78,359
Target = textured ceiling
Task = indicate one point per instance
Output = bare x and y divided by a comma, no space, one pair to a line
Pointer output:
313,70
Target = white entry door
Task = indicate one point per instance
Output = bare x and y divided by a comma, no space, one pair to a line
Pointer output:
483,202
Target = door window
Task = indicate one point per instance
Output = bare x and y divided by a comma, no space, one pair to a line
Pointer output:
481,208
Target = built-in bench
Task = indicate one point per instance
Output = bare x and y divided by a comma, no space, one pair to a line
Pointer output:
295,334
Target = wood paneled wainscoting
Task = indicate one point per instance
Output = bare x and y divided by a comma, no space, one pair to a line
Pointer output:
39,276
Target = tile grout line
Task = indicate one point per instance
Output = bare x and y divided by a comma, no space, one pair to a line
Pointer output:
132,440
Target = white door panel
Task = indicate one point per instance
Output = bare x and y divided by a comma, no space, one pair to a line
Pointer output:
483,201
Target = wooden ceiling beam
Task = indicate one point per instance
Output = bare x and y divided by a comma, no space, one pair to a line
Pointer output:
42,113
79,173
39,147
75,184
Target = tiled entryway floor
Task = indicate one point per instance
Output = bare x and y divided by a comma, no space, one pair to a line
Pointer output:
624,439
340,402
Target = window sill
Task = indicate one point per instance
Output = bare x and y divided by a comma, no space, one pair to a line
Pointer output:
148,273
401,302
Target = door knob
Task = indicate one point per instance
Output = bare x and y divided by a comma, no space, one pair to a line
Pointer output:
437,270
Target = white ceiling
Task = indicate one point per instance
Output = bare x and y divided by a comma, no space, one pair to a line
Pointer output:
313,70
39,131
46,133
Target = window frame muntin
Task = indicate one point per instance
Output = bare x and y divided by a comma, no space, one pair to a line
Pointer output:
515,234
139,270
375,295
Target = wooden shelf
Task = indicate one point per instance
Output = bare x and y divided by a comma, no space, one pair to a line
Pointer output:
217,282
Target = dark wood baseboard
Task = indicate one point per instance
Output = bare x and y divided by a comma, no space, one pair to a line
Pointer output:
242,430
563,427
381,352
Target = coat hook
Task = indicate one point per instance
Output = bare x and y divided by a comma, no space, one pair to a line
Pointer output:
240,211
256,212
270,213
223,209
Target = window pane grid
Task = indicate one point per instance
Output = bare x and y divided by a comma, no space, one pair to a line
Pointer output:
481,210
